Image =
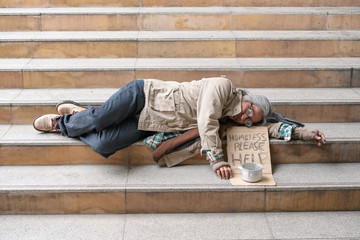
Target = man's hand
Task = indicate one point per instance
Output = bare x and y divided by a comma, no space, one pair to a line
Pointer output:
224,172
306,134
320,138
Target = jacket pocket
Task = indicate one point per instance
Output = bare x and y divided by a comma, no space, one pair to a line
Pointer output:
162,99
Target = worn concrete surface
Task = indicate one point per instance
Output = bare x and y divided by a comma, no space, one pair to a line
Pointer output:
51,36
96,64
289,96
290,225
189,177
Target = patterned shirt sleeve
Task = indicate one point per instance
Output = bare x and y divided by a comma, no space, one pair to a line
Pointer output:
154,140
286,131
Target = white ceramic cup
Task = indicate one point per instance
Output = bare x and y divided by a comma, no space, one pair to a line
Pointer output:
251,172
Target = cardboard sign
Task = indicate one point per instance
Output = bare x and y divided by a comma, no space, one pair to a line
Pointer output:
249,145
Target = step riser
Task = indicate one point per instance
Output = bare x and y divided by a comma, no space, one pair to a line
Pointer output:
333,152
134,22
185,202
117,79
62,203
141,155
20,23
56,155
89,23
303,113
331,48
179,3
181,49
23,114
179,202
301,201
321,113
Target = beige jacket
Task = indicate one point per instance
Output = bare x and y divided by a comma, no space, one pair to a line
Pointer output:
172,106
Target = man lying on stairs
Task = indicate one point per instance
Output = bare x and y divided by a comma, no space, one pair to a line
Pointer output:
193,113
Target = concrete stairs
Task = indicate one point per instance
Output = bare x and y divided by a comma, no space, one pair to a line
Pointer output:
303,54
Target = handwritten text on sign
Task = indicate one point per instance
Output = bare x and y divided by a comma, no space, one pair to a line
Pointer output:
248,145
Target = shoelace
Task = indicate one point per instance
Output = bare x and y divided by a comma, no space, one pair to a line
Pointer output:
55,123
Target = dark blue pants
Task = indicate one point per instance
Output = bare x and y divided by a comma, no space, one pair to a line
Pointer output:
113,126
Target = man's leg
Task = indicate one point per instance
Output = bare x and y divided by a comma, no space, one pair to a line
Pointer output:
127,102
109,140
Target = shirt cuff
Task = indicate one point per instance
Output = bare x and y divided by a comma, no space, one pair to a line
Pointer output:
213,156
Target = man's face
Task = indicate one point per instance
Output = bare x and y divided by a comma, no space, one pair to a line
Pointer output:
246,109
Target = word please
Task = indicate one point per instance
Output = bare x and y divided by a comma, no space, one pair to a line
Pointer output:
256,146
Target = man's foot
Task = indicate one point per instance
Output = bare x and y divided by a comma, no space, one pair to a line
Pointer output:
47,123
68,107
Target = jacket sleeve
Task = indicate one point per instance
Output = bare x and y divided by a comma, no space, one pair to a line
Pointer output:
274,129
214,95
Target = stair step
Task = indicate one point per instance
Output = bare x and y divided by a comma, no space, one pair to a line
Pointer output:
153,189
115,72
290,225
22,145
179,3
179,18
179,44
21,106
